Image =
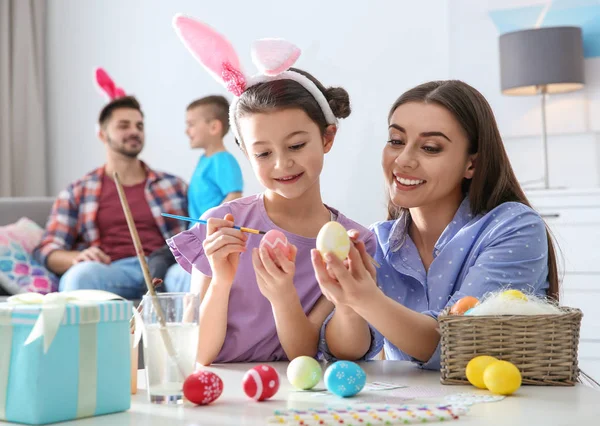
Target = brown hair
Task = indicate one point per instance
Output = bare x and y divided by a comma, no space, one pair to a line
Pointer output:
494,181
219,109
128,102
283,94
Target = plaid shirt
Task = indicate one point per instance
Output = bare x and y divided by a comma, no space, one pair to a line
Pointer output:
72,221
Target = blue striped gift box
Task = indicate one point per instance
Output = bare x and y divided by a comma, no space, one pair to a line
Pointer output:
85,372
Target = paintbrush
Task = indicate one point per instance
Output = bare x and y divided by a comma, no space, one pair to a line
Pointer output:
189,219
147,279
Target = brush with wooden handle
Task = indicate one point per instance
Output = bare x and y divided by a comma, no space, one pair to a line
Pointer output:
147,279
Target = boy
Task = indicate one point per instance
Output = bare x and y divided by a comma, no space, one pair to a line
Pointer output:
218,177
216,180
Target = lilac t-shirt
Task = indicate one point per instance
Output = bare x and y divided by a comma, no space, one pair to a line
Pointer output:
251,333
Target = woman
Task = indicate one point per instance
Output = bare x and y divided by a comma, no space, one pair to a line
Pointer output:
459,225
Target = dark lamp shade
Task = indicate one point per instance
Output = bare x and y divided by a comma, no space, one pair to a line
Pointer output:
550,58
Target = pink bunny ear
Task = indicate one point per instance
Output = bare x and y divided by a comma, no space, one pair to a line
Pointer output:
272,56
107,85
213,51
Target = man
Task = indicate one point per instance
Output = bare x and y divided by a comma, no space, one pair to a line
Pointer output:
87,240
217,178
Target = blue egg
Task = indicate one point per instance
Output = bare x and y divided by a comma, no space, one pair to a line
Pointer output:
469,312
345,378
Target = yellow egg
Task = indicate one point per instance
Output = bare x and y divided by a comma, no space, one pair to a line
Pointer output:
333,238
502,378
514,295
475,369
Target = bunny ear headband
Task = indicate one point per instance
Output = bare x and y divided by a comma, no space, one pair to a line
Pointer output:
107,85
272,57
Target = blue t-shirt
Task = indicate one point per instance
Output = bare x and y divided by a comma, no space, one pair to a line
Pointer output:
214,178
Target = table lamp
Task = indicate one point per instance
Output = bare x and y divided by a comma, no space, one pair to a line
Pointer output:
541,61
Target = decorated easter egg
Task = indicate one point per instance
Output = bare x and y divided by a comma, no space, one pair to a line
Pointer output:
502,378
261,382
202,387
333,238
513,295
276,239
463,305
475,369
304,372
345,378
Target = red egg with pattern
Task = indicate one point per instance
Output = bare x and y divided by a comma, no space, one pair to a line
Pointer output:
202,387
261,382
276,239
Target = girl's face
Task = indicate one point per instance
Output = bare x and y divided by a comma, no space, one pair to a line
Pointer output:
426,157
286,149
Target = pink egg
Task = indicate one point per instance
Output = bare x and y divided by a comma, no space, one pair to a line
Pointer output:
276,239
261,382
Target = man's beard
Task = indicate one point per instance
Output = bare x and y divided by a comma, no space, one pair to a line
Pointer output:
123,149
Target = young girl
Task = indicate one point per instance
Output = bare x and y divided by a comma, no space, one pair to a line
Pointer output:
458,224
256,308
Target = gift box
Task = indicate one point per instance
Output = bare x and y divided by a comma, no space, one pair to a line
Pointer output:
64,358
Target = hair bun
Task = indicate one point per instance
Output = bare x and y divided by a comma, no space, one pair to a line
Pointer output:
339,101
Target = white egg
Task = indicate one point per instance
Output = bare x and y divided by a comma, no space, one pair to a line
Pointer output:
333,238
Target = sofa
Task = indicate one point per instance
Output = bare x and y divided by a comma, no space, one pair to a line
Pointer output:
35,208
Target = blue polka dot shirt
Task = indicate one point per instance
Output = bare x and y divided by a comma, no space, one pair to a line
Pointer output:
507,247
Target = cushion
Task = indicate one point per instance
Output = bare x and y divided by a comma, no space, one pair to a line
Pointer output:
19,272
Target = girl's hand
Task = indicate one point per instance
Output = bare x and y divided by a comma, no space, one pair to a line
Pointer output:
275,280
346,283
222,246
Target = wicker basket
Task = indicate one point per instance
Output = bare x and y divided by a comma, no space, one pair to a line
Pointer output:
543,347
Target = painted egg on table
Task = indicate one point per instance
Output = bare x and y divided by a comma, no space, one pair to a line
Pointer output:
276,239
502,378
304,372
345,378
463,305
475,369
261,382
202,387
333,238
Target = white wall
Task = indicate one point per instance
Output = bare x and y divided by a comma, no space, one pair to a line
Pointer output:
573,120
376,50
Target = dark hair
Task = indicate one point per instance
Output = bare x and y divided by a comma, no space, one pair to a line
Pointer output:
494,181
285,94
219,109
129,102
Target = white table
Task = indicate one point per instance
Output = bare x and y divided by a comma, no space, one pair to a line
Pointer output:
531,405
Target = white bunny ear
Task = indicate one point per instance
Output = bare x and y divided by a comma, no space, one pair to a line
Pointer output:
273,56
213,51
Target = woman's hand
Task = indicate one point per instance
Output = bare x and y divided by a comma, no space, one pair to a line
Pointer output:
346,283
